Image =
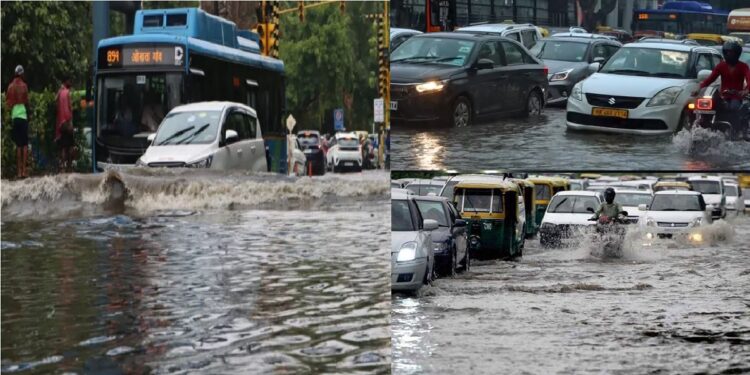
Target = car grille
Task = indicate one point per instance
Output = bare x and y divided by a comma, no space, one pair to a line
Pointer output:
670,224
616,123
400,91
611,101
167,164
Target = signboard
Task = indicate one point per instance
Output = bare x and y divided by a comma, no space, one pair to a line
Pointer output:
338,119
739,23
131,56
378,110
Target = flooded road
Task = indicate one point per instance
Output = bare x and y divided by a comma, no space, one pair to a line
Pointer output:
168,272
662,309
545,144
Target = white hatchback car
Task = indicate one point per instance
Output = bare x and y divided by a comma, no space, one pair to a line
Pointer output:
735,202
412,257
675,213
216,135
712,188
345,153
644,88
567,211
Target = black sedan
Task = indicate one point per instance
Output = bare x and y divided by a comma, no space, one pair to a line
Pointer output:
450,239
309,141
452,78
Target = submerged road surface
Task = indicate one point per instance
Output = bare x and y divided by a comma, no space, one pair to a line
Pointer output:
169,272
545,144
662,309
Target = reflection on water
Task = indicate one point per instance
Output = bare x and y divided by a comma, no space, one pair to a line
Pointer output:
214,290
545,144
669,308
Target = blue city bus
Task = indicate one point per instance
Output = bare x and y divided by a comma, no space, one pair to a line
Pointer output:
174,57
680,18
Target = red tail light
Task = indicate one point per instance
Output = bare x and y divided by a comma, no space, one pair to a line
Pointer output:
546,71
704,103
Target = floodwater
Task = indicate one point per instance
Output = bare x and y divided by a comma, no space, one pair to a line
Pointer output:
545,144
667,308
173,272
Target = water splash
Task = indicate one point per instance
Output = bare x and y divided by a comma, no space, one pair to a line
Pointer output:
698,141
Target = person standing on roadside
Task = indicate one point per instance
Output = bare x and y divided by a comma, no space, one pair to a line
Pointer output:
17,98
64,125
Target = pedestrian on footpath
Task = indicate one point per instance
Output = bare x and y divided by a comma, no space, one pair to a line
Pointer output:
64,125
17,98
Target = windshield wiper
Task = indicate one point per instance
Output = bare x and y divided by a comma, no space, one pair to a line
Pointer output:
628,71
554,209
414,57
201,129
471,203
665,74
175,135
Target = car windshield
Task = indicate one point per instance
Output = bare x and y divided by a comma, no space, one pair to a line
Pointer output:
542,192
675,202
433,210
706,187
424,189
479,200
560,50
573,204
632,199
730,190
434,50
648,62
401,217
308,139
188,127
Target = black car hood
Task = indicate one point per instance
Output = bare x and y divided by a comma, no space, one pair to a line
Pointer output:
413,73
441,234
558,66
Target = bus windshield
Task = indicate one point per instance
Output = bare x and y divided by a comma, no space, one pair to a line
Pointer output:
133,105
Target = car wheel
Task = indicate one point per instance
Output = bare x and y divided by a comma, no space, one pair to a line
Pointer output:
454,264
534,104
684,122
467,262
428,275
544,241
461,113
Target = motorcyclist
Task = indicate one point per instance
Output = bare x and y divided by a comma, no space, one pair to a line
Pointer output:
734,73
608,210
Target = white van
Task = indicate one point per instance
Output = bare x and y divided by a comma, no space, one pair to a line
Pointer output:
216,135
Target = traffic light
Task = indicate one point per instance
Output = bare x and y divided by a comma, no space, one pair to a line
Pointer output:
301,8
267,39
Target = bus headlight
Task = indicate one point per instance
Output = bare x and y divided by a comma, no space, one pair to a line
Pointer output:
407,252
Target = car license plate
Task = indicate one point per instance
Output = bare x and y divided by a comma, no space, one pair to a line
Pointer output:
394,106
308,151
609,112
348,164
702,112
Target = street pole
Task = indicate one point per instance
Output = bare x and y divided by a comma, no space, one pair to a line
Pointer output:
387,96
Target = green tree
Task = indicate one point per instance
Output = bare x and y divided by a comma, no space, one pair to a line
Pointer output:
50,39
331,62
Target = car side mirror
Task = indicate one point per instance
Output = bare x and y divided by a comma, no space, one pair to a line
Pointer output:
459,223
594,67
484,64
430,225
642,207
231,136
703,74
709,207
590,209
151,137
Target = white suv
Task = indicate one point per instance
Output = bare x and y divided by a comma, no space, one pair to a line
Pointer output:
345,153
644,88
712,188
735,201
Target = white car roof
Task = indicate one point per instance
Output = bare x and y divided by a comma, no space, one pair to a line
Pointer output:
425,181
397,31
705,178
209,106
632,191
666,46
347,134
497,27
400,194
677,192
579,192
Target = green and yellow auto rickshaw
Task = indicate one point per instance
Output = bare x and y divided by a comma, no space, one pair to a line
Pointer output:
544,189
495,216
527,188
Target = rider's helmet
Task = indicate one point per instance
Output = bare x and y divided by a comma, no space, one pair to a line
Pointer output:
609,195
731,51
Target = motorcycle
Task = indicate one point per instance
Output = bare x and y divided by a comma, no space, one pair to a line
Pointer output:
610,234
711,112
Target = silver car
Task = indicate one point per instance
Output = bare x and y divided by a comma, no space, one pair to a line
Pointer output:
412,258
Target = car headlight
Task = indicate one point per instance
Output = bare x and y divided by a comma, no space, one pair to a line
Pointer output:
407,252
560,76
430,86
650,222
439,247
203,163
696,222
665,97
140,163
577,92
